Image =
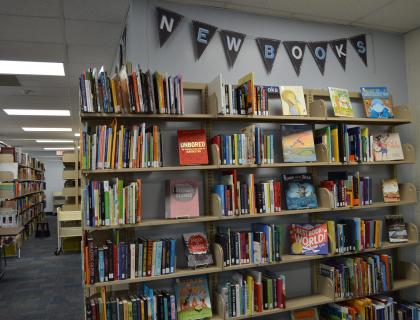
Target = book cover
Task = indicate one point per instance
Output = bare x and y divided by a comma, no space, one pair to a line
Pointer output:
298,143
309,239
299,192
293,101
387,146
340,101
247,82
305,314
216,90
377,102
181,199
390,190
397,231
192,147
193,298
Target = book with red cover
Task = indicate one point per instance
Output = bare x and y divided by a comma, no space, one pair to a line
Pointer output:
192,147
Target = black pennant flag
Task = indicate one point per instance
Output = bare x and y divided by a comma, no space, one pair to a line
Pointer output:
339,47
232,43
296,51
319,52
359,44
167,22
202,33
268,49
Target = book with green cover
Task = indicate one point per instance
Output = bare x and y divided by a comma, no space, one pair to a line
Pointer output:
340,101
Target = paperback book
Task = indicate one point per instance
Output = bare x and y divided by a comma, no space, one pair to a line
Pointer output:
377,102
298,143
397,230
197,249
192,147
293,101
299,192
387,146
182,199
340,101
390,190
307,239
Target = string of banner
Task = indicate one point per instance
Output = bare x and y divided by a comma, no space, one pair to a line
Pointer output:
232,43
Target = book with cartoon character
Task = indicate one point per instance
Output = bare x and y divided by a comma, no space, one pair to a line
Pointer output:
293,101
387,147
299,192
377,102
193,298
340,101
308,239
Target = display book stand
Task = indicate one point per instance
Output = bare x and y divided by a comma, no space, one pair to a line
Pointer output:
406,275
26,219
69,216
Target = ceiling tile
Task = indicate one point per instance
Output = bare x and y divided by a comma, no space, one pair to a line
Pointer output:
92,33
32,51
43,81
91,55
38,8
96,10
31,29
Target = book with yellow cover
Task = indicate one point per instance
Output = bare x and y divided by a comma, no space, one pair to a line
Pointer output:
247,82
293,101
340,101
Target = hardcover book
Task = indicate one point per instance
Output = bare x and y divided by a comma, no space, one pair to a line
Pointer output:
390,190
299,192
181,199
247,85
340,101
298,143
397,231
293,101
192,147
197,249
387,146
305,314
309,239
193,298
377,102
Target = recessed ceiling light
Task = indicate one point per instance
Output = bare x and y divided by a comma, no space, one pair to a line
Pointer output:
53,141
58,148
32,68
77,134
46,129
37,112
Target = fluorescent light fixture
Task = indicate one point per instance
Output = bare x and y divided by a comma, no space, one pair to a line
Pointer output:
58,148
32,68
37,112
77,134
46,129
53,141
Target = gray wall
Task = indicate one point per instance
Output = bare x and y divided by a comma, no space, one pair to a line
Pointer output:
54,180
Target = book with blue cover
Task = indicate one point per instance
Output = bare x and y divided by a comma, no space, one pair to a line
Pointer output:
298,143
299,192
377,102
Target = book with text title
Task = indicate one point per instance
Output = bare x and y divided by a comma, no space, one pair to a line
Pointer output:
246,92
309,239
390,190
377,102
299,192
387,146
182,199
192,147
340,101
293,101
298,143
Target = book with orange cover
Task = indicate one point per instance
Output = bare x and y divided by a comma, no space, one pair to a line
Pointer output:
192,147
305,314
385,259
248,83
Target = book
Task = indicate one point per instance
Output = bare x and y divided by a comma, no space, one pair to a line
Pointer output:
298,143
182,199
216,90
387,146
246,94
192,147
193,298
390,190
298,191
197,249
397,230
340,101
293,101
305,314
308,239
377,102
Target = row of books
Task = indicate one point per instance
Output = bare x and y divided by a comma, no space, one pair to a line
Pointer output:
116,147
22,158
360,276
354,144
251,146
30,174
109,203
259,245
131,90
128,260
348,189
21,188
253,291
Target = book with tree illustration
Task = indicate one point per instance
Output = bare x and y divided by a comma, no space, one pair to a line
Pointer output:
340,101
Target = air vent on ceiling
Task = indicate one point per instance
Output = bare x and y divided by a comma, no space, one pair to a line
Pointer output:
7,80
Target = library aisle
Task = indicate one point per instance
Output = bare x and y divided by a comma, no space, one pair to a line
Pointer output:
44,284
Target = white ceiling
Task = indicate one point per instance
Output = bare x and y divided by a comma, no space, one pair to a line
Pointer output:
79,33
83,33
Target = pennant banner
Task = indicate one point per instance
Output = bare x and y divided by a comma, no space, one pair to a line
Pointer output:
232,43
359,44
296,51
202,33
268,49
339,47
319,52
167,22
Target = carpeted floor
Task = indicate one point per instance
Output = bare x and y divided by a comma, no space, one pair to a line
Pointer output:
40,285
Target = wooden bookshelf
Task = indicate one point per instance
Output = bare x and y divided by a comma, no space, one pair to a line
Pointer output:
323,290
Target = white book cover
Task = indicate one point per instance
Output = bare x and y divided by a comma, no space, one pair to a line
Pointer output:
217,89
132,260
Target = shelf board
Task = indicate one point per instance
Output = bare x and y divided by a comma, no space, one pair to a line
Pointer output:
178,274
29,167
26,209
385,122
11,231
375,205
26,195
146,116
